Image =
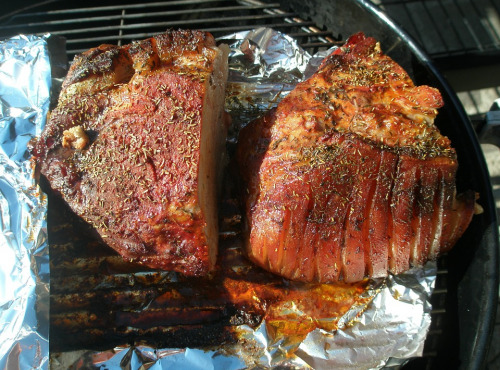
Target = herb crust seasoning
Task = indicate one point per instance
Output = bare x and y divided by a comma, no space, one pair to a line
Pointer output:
135,144
349,177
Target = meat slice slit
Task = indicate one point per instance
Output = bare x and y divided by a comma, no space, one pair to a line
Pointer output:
427,198
286,231
357,248
315,235
370,249
438,216
402,214
417,218
328,235
301,202
380,221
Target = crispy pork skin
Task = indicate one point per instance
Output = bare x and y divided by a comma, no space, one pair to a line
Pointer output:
134,146
349,177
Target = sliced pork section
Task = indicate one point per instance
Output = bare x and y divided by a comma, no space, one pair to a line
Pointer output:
349,177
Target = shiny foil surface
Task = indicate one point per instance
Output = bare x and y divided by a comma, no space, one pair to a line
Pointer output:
25,82
387,327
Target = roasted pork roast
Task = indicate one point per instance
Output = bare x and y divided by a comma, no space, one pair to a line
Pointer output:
349,177
135,147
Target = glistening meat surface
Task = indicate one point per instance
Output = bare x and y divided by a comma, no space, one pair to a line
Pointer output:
349,177
135,146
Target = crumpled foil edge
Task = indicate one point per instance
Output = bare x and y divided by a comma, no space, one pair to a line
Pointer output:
25,74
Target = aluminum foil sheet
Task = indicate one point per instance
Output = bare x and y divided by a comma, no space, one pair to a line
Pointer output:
25,82
264,66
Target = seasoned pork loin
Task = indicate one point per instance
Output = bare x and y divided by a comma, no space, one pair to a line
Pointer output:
134,146
349,177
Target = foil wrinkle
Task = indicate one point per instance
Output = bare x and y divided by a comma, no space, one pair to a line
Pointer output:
25,82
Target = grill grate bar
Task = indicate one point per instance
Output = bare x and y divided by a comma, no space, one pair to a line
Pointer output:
184,22
134,36
99,9
214,30
123,16
87,27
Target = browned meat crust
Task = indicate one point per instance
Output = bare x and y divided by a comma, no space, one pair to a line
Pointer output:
349,177
134,143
